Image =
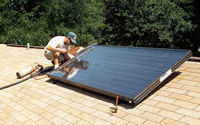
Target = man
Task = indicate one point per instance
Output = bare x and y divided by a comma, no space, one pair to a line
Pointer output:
58,47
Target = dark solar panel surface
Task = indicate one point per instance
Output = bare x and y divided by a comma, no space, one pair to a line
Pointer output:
120,70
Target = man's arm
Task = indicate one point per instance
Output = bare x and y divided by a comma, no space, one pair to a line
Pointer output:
48,47
74,50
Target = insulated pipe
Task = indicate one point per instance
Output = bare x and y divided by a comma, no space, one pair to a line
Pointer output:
27,70
40,72
7,86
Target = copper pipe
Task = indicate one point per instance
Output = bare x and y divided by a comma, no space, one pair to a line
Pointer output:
116,103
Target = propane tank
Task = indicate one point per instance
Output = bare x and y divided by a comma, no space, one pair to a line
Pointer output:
27,70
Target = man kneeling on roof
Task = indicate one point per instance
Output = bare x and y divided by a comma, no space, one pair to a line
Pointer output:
58,48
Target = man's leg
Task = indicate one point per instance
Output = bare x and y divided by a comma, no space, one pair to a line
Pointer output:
56,59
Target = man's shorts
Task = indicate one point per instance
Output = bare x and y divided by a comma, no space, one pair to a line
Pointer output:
49,56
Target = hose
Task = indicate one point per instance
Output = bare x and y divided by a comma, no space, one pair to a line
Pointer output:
40,72
7,86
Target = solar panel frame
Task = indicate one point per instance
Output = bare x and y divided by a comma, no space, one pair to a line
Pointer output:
137,99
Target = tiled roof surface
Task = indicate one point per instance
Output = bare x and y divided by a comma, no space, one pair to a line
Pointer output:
175,102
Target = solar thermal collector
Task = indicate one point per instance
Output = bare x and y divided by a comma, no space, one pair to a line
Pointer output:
130,73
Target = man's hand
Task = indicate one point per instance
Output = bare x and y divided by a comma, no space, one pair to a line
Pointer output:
63,51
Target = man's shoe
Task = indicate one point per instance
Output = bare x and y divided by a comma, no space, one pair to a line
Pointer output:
56,66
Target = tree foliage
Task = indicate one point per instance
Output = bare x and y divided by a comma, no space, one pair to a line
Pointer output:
154,23
150,23
36,21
